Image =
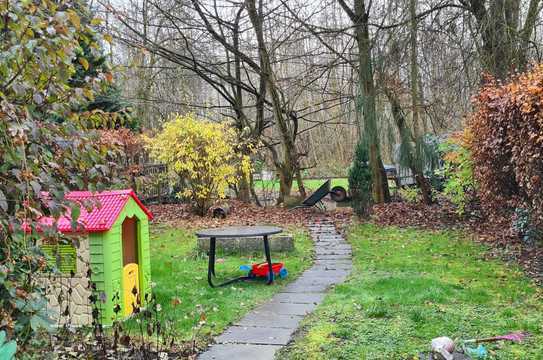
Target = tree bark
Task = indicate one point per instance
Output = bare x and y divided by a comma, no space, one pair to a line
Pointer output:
368,120
505,43
526,33
416,159
414,69
399,119
244,190
300,181
289,163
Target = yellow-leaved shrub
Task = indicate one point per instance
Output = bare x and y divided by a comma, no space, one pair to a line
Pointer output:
202,154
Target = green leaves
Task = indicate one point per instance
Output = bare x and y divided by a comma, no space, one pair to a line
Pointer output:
360,180
460,184
43,146
75,211
7,348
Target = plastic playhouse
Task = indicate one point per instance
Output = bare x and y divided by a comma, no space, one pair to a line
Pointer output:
113,237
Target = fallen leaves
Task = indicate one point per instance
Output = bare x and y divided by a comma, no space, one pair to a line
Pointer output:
405,214
243,214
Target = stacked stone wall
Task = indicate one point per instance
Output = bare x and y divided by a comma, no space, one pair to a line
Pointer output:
64,290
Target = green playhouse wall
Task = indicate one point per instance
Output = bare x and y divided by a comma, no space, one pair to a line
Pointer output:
107,260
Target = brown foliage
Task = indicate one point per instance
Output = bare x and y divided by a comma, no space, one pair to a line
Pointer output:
241,213
128,146
437,216
507,145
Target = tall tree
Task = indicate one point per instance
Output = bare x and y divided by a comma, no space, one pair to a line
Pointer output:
289,166
505,39
359,16
416,157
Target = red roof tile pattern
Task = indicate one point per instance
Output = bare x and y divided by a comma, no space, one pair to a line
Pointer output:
99,211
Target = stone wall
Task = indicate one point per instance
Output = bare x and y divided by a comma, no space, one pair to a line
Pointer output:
278,243
80,309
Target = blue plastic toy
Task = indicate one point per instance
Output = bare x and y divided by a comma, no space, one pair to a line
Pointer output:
262,270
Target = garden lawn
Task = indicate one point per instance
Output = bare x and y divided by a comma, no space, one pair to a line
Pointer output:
409,286
179,275
310,184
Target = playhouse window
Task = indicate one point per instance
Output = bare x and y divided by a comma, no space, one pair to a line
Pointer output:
63,256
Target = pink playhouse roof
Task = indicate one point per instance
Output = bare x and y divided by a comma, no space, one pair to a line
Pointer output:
107,207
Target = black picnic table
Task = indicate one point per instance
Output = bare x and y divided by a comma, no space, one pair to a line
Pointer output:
237,232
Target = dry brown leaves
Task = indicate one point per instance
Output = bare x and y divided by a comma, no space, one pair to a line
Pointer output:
179,215
404,214
507,143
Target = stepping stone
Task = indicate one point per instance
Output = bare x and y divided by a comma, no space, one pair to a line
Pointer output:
332,257
271,320
296,298
332,262
287,309
338,275
332,267
314,281
240,352
335,246
332,251
304,288
329,242
315,277
255,335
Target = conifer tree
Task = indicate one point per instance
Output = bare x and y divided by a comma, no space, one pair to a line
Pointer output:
360,181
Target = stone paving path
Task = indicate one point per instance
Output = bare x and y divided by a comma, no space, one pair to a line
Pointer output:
269,327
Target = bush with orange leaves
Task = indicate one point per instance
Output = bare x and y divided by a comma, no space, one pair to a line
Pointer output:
507,145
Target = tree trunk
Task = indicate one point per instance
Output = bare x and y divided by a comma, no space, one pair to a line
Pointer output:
416,162
505,43
285,184
301,187
367,93
414,69
399,119
290,162
253,192
526,33
244,190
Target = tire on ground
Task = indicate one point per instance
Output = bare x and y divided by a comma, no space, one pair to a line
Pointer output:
338,194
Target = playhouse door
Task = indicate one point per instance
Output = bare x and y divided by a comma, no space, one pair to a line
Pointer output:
131,285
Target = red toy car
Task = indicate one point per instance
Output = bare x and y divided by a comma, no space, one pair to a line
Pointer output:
262,270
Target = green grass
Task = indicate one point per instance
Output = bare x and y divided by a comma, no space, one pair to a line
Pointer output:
310,184
180,272
410,286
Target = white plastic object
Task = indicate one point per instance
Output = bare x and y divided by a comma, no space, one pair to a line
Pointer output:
444,346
